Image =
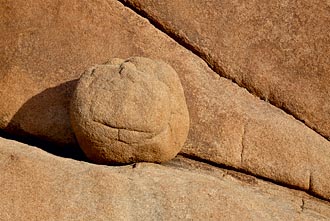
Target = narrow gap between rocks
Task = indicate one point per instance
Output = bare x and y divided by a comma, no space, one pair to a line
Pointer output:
202,55
65,150
240,170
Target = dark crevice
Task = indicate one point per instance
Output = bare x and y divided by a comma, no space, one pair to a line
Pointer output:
242,143
213,65
65,150
302,206
240,170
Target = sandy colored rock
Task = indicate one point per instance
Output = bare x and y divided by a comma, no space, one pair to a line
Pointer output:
278,50
252,135
38,186
129,111
42,59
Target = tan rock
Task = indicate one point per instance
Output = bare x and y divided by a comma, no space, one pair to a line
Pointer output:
38,186
43,57
130,110
278,50
252,135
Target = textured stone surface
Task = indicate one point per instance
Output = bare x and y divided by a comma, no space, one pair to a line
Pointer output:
277,49
43,58
252,135
38,186
130,110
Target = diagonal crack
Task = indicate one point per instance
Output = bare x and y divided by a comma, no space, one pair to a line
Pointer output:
207,58
246,172
214,66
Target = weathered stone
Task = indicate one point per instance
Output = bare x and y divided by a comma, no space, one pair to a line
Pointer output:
252,135
130,111
38,186
42,59
278,50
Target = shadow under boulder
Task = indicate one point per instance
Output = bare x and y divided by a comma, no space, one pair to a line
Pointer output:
44,121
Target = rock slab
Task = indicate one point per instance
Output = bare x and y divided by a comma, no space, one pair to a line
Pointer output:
277,50
36,185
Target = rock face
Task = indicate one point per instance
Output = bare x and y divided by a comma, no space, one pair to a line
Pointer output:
278,50
38,186
130,111
41,60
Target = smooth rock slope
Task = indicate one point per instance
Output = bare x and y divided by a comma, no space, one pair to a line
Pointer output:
38,186
279,50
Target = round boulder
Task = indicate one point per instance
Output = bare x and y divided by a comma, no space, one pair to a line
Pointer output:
129,111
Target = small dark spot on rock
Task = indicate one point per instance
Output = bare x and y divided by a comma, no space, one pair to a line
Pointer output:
243,177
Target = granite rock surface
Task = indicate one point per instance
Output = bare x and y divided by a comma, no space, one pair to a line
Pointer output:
128,111
278,50
38,186
46,45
